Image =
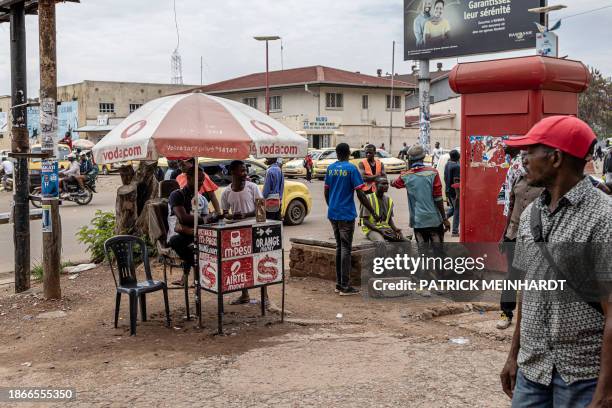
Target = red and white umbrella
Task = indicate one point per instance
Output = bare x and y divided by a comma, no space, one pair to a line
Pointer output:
198,125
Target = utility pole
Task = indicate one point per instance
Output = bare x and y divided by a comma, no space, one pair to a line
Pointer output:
392,104
424,117
20,146
52,231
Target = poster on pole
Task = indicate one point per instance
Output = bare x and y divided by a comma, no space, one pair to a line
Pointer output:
451,28
49,179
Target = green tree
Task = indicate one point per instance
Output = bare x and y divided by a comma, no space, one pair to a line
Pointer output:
595,104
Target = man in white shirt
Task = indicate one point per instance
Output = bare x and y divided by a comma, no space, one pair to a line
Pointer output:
240,196
72,173
436,154
6,168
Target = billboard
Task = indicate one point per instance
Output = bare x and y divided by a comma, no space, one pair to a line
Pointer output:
449,28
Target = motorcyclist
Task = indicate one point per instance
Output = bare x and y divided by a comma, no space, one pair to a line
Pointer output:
73,173
6,169
85,166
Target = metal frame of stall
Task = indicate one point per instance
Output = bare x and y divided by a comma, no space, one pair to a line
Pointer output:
219,260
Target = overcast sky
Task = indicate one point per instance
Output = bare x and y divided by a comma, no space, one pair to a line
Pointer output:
132,40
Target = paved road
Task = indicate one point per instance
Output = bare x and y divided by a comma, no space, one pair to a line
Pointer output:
75,216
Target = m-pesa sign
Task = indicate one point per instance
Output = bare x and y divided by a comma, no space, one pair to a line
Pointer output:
237,242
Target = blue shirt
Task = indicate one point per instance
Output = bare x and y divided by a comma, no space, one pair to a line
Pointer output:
275,181
419,27
341,180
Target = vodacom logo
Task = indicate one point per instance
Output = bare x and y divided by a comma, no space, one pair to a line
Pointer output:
133,129
264,127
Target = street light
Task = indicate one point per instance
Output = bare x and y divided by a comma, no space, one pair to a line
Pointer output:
267,38
545,10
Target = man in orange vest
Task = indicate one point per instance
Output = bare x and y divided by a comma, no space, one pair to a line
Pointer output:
371,168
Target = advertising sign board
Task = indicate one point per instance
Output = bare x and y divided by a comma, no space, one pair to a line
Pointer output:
450,28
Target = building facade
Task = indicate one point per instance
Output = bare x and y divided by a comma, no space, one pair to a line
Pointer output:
326,105
101,105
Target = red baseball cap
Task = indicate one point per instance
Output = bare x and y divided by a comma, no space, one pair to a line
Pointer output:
566,133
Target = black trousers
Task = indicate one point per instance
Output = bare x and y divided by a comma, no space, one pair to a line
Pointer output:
343,232
181,244
429,235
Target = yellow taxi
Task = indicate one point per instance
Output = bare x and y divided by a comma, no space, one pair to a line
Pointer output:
295,167
297,201
327,157
392,164
62,153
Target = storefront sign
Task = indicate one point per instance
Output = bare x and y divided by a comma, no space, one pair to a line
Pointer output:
267,238
321,123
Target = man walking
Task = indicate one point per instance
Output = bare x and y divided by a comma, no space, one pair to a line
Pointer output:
424,189
371,168
403,152
452,177
518,194
561,352
342,179
274,186
435,155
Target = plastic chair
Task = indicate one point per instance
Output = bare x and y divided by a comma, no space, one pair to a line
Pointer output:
122,248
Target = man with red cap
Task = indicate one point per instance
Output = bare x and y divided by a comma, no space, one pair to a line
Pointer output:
561,352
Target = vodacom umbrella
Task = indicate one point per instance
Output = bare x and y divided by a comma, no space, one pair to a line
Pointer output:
198,125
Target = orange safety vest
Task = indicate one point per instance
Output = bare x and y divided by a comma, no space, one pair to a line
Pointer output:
371,185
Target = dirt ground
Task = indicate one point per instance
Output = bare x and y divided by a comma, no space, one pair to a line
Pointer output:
331,351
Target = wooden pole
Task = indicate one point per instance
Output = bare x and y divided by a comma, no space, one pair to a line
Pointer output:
20,145
52,247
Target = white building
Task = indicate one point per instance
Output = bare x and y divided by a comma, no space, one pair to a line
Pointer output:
327,105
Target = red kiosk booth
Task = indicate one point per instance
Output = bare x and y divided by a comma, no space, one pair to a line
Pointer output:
501,98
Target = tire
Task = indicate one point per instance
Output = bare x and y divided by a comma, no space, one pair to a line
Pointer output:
84,200
36,203
295,213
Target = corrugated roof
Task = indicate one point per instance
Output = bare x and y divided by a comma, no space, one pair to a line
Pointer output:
299,76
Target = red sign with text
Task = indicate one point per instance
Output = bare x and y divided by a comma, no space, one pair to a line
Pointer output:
237,242
237,273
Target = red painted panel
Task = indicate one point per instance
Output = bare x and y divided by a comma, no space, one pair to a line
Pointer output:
506,103
560,103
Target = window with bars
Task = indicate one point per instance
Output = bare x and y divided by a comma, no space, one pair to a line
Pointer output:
276,103
134,106
365,102
252,102
397,102
106,107
334,100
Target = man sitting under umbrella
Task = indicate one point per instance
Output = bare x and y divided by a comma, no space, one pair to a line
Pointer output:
181,218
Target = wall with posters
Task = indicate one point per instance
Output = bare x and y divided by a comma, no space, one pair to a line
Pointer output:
449,28
67,119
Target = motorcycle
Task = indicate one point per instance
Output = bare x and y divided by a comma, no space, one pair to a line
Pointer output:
72,191
7,182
